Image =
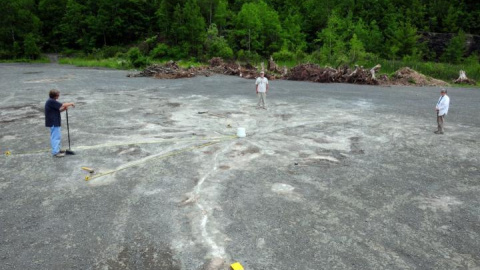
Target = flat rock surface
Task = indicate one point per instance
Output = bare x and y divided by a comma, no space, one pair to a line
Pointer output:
330,176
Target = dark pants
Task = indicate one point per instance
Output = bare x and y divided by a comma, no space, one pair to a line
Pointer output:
440,120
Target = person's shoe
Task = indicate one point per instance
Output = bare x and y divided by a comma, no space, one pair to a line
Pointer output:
59,154
436,131
63,151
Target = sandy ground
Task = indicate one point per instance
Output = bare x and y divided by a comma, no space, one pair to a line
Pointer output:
331,176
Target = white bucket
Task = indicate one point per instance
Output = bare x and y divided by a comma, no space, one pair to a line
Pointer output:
241,132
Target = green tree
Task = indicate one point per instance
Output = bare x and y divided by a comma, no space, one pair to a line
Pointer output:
164,18
248,28
17,20
369,35
450,21
51,12
208,9
333,39
456,48
17,50
72,25
221,14
402,39
357,50
30,47
195,25
188,28
258,28
217,45
293,37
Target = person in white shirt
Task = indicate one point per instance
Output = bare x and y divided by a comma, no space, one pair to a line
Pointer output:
442,109
261,88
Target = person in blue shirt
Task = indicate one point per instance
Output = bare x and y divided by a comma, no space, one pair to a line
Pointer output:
53,120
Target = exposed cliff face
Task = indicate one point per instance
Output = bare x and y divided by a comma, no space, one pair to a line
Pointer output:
438,42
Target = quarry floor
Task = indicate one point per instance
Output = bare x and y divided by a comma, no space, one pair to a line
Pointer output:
330,176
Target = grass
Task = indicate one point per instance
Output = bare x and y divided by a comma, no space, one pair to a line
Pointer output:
118,63
41,60
114,63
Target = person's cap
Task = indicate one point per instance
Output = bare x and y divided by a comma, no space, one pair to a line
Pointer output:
443,90
261,72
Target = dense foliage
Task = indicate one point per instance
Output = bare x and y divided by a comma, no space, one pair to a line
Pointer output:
326,31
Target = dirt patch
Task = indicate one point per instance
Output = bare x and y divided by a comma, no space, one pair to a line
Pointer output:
408,76
251,150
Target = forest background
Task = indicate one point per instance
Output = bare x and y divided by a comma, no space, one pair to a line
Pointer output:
135,33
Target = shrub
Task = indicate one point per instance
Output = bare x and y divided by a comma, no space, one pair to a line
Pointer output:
283,56
248,56
160,51
111,51
177,52
136,58
30,47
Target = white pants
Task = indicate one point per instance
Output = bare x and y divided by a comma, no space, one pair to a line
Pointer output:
262,99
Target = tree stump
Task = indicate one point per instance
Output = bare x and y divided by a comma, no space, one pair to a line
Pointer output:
462,78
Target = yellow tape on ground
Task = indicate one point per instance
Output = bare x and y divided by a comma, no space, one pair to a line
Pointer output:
162,156
13,153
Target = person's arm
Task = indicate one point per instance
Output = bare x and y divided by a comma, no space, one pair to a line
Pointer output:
66,105
266,89
256,86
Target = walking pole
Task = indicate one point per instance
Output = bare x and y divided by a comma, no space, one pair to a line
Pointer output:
69,151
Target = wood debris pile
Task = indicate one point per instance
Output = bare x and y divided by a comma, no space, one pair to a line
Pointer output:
315,73
303,72
218,66
170,70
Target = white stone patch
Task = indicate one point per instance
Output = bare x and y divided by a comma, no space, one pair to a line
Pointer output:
102,181
50,80
287,192
282,188
362,103
150,127
326,158
152,192
127,151
443,203
4,185
260,243
9,137
124,110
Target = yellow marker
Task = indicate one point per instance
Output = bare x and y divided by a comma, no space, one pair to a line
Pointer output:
90,170
236,266
8,153
87,178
